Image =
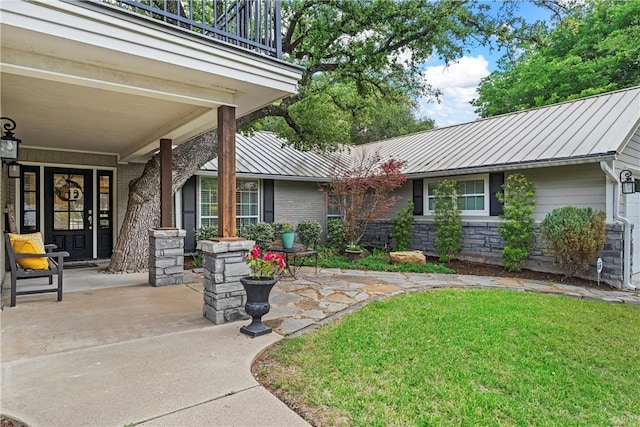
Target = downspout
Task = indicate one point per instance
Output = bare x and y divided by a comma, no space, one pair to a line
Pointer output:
626,250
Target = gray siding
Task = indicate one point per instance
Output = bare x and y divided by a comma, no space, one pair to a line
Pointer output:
67,158
406,194
299,201
577,185
630,155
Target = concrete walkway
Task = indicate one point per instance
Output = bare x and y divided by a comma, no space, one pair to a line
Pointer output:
116,351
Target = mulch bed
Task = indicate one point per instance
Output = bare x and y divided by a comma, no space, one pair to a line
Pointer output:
480,269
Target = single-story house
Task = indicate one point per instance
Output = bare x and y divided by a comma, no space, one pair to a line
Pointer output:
95,87
573,151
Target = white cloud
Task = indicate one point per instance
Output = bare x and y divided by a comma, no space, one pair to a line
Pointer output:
458,83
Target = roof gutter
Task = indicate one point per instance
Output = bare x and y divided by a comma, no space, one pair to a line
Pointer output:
516,166
626,239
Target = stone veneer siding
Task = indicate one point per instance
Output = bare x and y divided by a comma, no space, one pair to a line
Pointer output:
166,257
481,242
224,266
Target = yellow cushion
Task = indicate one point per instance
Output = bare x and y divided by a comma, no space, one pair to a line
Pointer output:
29,244
36,237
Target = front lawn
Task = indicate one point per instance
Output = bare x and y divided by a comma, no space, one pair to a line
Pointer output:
472,357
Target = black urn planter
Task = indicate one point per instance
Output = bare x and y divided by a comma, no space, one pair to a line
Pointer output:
257,305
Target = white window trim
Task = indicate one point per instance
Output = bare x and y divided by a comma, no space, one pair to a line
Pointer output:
487,201
199,199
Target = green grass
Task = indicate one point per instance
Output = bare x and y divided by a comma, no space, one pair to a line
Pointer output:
377,260
474,357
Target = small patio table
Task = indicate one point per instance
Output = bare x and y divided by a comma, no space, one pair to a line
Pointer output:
292,254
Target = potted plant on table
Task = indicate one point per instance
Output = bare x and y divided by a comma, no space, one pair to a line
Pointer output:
265,271
287,235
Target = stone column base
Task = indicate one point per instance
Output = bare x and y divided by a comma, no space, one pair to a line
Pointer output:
224,266
166,256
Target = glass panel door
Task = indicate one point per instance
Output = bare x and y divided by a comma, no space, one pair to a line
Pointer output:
68,210
105,213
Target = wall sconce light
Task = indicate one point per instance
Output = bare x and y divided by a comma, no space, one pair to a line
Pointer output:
14,169
627,181
8,142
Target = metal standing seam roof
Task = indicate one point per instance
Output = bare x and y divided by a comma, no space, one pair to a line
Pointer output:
578,131
575,131
263,154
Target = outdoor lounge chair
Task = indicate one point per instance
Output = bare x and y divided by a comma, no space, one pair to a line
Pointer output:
54,262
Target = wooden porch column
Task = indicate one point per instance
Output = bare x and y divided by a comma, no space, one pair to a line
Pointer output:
166,195
226,171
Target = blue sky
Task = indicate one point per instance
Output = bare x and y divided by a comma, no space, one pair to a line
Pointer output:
459,81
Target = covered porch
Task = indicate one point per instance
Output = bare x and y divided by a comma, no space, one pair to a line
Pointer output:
97,88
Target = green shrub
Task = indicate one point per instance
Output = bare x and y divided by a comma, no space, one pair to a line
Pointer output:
518,226
377,260
203,233
198,259
336,237
279,227
309,233
262,233
512,258
206,233
402,228
575,235
447,220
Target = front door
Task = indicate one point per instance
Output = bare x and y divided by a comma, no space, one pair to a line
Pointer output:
68,200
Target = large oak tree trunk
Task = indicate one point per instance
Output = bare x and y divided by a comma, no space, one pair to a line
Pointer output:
131,253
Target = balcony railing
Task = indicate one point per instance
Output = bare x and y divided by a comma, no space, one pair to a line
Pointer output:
249,24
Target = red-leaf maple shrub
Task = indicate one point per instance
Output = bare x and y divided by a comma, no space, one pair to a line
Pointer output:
360,191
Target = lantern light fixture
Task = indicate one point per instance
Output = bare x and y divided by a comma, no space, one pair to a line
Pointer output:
8,142
627,182
14,169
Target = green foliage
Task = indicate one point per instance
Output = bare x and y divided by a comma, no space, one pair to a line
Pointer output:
513,258
575,235
361,188
262,233
264,264
518,226
203,233
378,260
383,118
468,358
336,237
197,259
282,227
595,48
206,233
447,220
309,233
363,65
402,228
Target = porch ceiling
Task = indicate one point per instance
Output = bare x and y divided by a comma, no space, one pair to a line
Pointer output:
79,79
64,116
